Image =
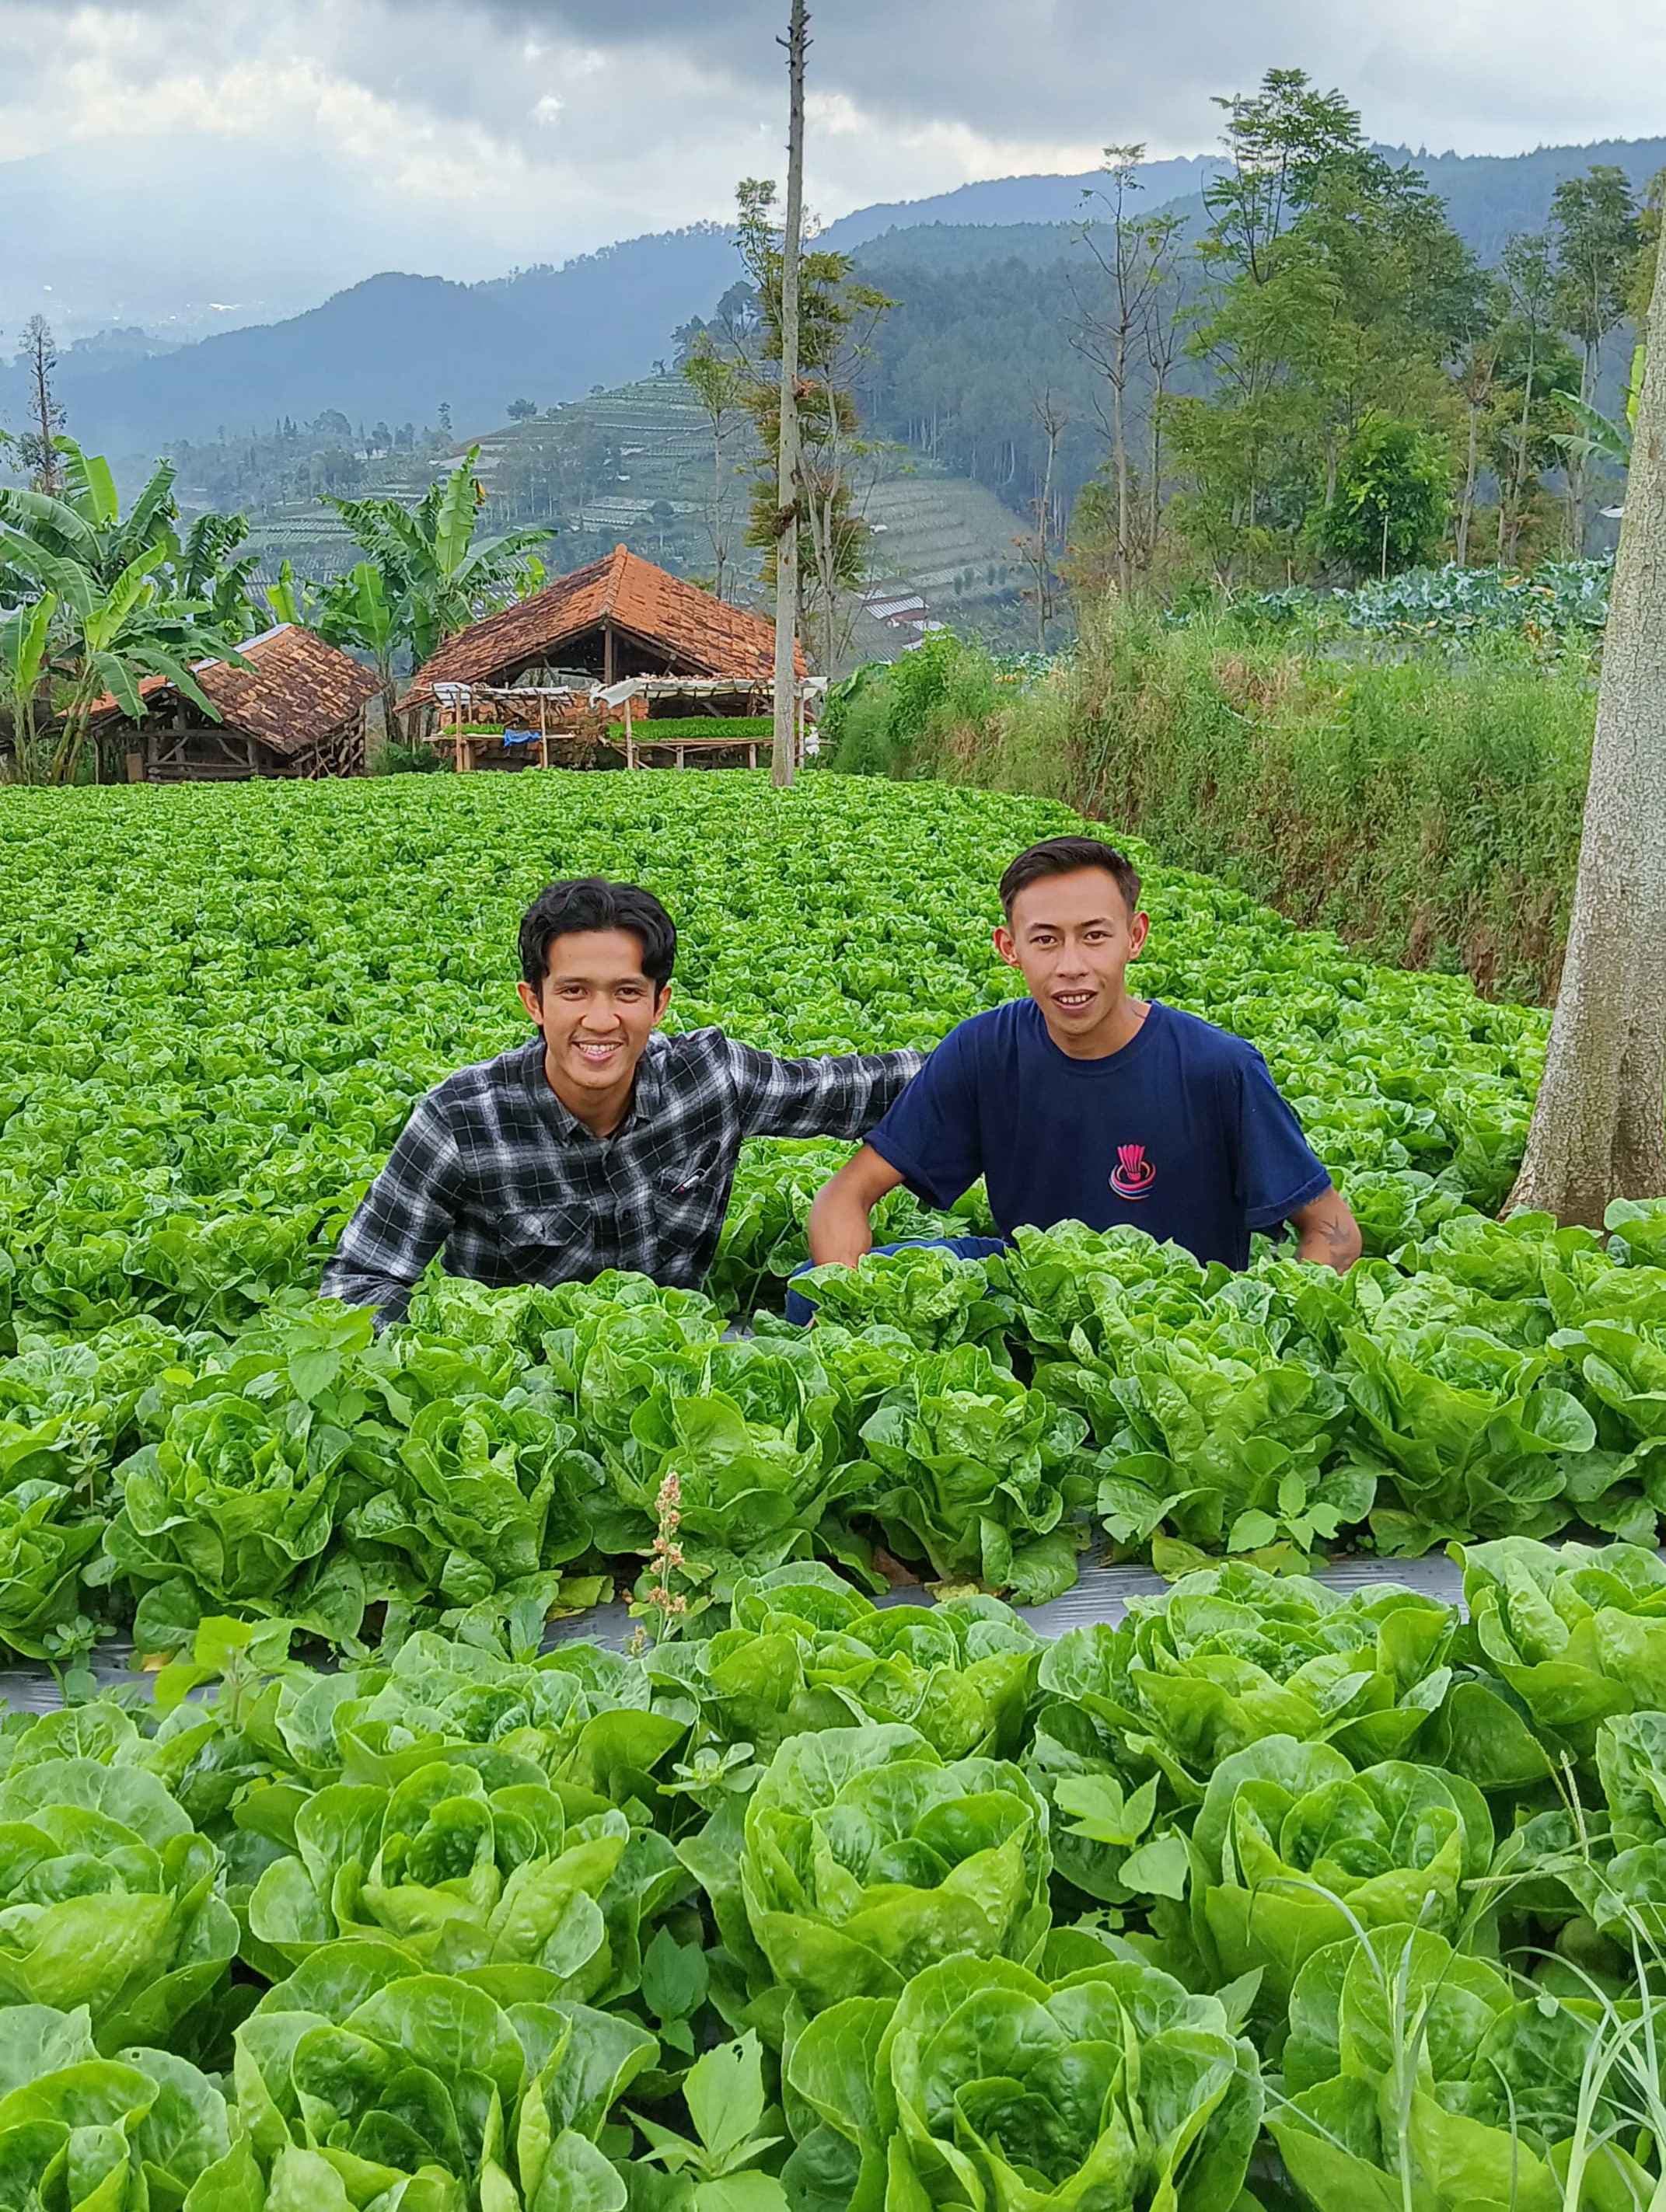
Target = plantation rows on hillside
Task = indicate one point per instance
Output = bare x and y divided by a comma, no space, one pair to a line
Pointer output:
1449,604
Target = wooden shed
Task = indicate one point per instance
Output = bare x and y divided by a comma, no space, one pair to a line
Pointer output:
619,617
296,709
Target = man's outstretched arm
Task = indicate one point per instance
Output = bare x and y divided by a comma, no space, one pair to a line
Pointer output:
839,1097
403,1219
1327,1232
840,1227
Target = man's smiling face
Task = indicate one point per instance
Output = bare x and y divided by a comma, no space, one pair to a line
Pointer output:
1071,937
598,1009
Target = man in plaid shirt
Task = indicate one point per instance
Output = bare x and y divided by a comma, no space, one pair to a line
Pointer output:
602,1143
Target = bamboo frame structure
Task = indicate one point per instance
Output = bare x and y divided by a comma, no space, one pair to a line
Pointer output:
633,699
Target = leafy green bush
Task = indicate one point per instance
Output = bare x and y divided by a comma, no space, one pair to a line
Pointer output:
936,1299
356,2073
87,2129
109,1901
1391,497
804,1651
1294,1849
453,1873
980,1474
865,1857
990,2085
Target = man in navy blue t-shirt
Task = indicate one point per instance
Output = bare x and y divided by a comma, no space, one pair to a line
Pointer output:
1081,1103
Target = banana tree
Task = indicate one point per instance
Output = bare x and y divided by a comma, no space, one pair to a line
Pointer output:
24,636
1604,437
131,600
118,635
434,576
1594,433
357,611
201,571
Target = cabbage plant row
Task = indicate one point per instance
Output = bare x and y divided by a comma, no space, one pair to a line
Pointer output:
217,1006
1266,1898
509,1454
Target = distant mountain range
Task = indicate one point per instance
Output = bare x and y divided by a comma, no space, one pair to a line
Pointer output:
396,346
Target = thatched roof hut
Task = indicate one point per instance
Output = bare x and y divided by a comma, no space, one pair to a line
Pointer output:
621,616
296,709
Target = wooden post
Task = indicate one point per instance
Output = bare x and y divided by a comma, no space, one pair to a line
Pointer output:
607,655
630,742
679,752
752,754
543,731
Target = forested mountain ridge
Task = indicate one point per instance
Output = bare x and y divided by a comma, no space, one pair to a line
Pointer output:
980,274
402,345
1488,195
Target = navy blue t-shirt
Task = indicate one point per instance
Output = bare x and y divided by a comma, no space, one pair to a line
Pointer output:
1182,1132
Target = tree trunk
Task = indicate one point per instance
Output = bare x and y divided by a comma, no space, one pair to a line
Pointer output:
1599,1128
1579,463
49,476
1041,506
1461,543
718,537
781,759
1121,434
1159,396
1518,474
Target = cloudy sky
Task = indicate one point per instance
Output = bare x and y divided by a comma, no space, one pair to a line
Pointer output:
241,152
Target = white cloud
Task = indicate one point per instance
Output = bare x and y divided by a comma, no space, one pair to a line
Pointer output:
284,152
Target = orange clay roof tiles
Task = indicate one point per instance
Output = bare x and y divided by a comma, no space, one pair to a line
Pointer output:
295,690
704,633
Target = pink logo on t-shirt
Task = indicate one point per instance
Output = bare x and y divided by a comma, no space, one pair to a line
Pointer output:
1134,1174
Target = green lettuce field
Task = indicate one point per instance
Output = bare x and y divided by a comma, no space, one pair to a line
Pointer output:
361,1898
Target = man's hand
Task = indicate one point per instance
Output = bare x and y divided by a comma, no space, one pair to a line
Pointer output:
840,1229
1327,1232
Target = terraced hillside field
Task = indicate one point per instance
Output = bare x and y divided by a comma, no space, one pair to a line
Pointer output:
937,540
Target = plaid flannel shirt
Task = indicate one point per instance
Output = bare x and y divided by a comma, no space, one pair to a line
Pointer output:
493,1172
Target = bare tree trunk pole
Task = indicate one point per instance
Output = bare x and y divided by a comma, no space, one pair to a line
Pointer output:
1467,509
1599,1128
41,360
787,501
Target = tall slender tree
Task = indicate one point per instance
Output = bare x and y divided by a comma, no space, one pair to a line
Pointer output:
1536,366
1035,545
1122,324
1599,1126
715,378
1596,238
37,356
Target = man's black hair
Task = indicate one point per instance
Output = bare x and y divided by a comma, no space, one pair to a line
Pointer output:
1067,856
592,902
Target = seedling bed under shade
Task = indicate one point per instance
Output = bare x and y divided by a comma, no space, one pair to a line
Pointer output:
1100,1594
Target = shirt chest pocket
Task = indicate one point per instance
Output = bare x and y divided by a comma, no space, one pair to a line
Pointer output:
532,1234
697,1173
